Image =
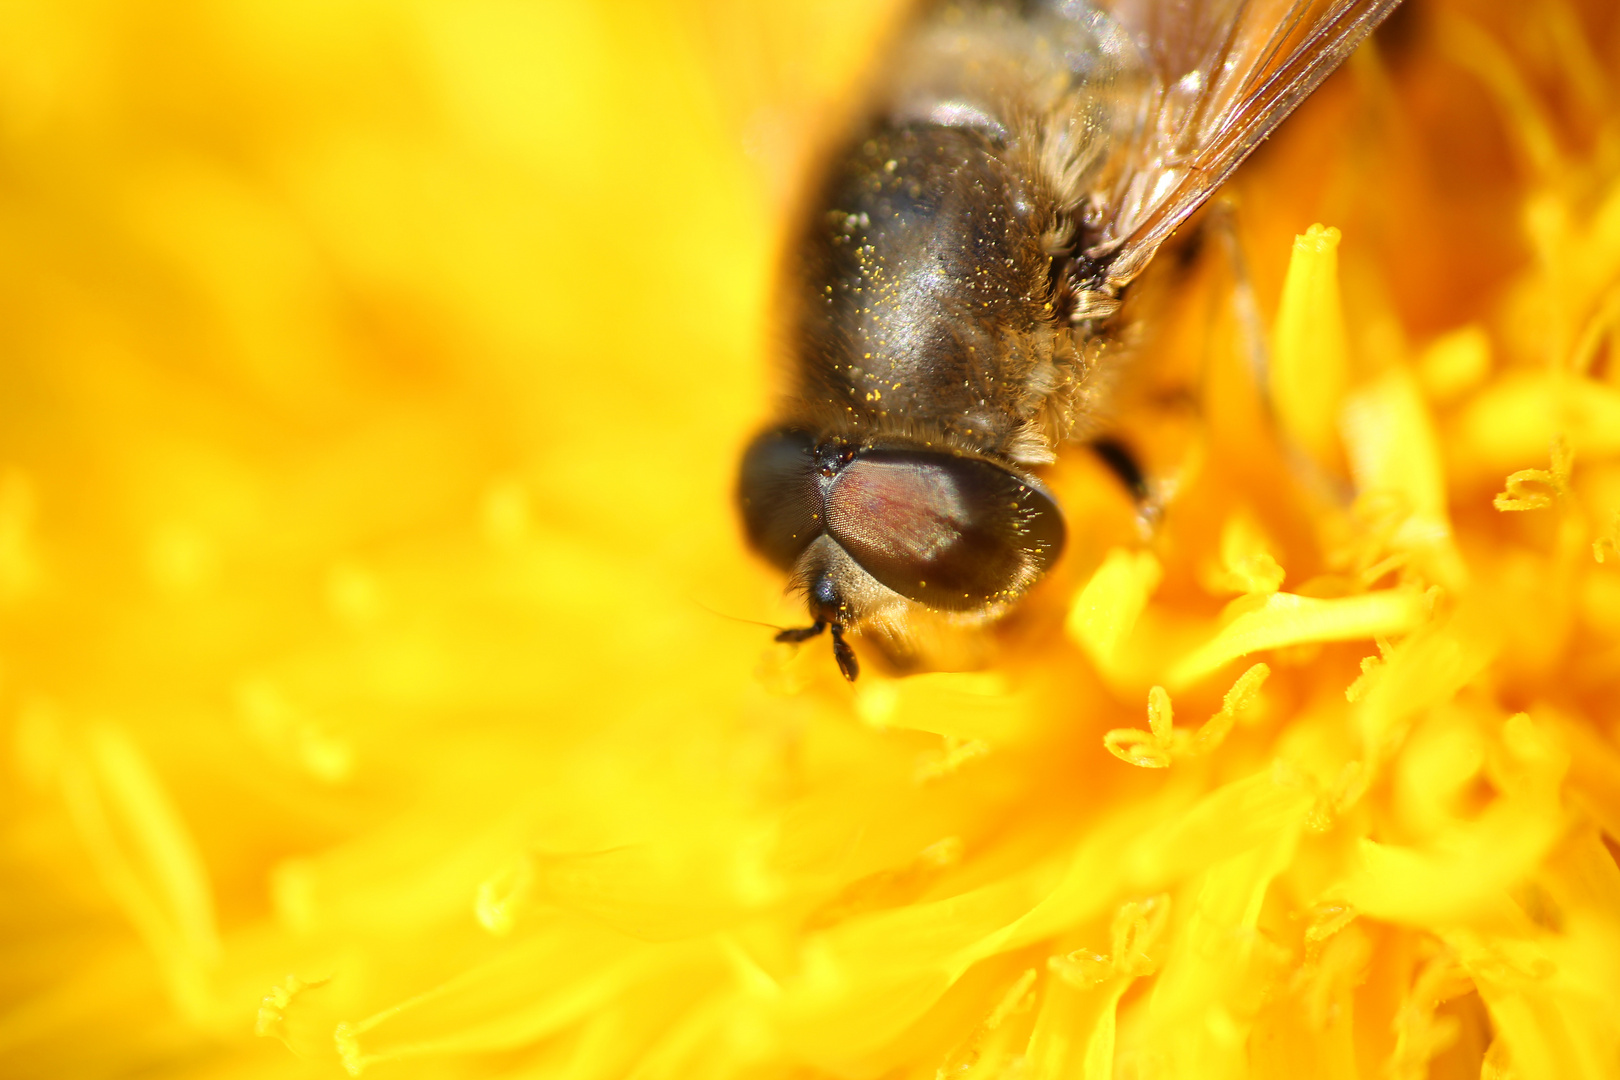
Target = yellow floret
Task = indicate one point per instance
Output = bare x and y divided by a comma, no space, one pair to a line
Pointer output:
384,674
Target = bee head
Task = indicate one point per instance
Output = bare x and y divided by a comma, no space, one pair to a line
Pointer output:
861,523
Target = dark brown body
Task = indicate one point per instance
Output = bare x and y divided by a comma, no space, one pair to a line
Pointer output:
951,296
928,291
926,302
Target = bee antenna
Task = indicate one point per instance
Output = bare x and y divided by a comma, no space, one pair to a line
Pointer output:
736,618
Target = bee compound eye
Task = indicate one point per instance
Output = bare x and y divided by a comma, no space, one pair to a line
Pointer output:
954,533
780,495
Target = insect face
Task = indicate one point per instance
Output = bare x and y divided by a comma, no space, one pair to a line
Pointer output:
868,527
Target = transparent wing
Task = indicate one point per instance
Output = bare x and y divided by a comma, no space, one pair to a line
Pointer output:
1222,75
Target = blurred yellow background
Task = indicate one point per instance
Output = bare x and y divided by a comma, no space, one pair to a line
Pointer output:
372,377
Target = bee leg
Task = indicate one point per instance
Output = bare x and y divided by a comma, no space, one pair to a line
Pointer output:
1121,461
1221,219
1152,496
802,633
847,664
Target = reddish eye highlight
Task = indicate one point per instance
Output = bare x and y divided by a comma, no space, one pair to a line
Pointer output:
900,509
955,533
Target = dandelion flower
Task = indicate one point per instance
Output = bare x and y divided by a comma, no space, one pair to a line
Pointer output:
376,661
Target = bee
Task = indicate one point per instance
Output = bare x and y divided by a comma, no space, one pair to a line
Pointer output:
953,304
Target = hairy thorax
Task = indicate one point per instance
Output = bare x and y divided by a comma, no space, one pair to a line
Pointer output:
926,297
